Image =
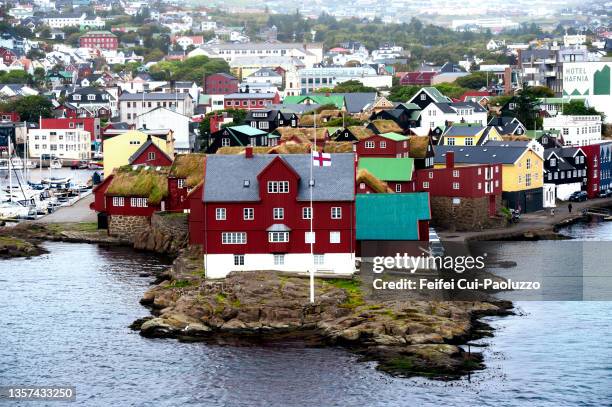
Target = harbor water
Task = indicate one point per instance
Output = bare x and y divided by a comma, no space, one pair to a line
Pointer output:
65,318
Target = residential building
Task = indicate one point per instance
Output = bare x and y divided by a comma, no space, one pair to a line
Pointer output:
257,214
250,101
150,154
417,78
564,173
220,84
66,144
132,105
118,149
104,40
468,134
522,171
93,102
389,145
396,172
444,114
269,119
312,79
185,176
425,96
309,54
605,167
89,124
466,197
575,130
237,136
163,118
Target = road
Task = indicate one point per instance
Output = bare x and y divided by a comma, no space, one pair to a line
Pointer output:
79,212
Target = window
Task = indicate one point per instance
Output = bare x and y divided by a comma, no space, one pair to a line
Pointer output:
91,97
118,201
220,214
225,142
553,162
151,156
139,202
425,185
248,213
238,259
233,238
78,97
334,237
528,164
319,259
455,185
423,96
456,173
309,237
278,187
430,175
278,213
398,187
528,179
469,141
451,141
279,259
479,185
369,144
383,144
336,212
278,237
307,212
180,182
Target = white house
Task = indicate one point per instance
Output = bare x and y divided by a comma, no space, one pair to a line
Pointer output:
162,118
312,79
575,130
70,144
132,105
442,114
310,54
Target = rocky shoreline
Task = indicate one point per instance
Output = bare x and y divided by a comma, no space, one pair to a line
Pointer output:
406,338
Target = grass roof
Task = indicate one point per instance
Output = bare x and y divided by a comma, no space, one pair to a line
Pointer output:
140,182
360,132
418,146
386,126
190,167
232,150
301,134
370,180
515,138
338,147
291,147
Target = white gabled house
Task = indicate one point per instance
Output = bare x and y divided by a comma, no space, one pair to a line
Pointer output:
443,114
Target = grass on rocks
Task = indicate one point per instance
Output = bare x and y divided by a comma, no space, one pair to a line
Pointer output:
352,288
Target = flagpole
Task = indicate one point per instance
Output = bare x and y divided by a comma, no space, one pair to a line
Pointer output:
311,186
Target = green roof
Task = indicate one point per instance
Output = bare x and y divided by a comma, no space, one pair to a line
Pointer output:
558,101
394,136
391,216
388,169
248,130
436,94
337,100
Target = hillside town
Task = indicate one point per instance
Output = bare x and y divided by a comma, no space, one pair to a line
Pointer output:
276,149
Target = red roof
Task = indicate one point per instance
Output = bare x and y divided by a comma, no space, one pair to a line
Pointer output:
417,78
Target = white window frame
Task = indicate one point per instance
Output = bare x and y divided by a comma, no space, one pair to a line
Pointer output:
334,237
118,201
238,259
370,144
307,212
220,214
319,259
310,237
398,187
139,202
278,237
248,213
278,213
233,238
336,212
279,259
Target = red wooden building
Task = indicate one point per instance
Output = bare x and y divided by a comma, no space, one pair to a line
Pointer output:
417,78
186,174
593,163
99,40
90,124
10,116
150,154
255,214
389,145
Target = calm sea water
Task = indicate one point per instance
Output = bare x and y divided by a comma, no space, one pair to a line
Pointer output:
64,321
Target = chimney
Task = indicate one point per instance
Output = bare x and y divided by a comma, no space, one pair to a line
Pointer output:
248,152
508,81
450,159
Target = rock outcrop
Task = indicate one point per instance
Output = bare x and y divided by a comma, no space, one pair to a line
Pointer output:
405,337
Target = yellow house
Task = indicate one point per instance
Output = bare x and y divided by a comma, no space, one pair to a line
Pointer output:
468,134
119,148
522,170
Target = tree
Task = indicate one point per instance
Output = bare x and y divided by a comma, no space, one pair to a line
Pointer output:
578,108
401,93
526,107
352,86
30,108
475,80
540,91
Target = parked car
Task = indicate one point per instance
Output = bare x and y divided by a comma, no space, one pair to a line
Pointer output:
578,196
606,193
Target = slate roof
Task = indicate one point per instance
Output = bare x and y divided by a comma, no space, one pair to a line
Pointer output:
479,154
448,107
225,176
356,102
250,96
463,131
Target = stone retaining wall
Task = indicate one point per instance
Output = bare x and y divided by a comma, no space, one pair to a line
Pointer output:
471,214
168,233
127,227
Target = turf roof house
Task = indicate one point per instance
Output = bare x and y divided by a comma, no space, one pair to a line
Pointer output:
352,133
237,136
397,173
256,214
384,126
133,195
186,174
464,197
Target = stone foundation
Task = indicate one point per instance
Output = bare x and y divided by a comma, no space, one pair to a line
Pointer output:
168,233
127,227
471,214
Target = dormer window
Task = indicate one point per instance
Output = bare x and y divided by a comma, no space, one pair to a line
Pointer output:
278,187
91,97
553,162
76,97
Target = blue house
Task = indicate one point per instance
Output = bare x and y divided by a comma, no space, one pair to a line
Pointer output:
605,176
